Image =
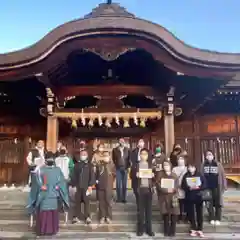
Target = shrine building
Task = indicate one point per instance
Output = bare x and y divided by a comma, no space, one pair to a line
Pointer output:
111,74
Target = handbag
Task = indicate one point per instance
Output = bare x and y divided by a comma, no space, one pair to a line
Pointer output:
206,195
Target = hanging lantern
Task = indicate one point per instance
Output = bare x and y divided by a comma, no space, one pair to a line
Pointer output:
117,120
100,122
83,120
126,123
15,140
135,119
108,123
142,123
90,123
74,124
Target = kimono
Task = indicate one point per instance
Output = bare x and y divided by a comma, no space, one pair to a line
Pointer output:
46,193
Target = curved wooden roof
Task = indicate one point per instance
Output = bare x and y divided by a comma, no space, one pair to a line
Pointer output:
113,18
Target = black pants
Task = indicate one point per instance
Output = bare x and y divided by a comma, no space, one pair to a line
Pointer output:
105,203
144,216
215,208
169,225
182,208
80,198
195,210
136,193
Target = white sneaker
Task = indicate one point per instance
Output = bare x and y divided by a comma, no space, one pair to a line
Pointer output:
200,234
193,233
102,221
212,222
217,223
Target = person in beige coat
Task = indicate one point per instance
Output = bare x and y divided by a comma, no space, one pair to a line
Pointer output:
167,187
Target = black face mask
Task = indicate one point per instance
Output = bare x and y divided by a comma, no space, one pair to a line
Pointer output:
62,152
177,149
50,163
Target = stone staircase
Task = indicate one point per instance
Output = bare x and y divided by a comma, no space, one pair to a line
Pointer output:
14,220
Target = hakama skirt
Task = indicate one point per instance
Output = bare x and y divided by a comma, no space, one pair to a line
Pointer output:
47,223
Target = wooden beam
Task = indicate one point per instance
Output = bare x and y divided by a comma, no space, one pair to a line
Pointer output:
104,90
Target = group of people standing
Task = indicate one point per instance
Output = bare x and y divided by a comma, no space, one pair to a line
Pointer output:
181,187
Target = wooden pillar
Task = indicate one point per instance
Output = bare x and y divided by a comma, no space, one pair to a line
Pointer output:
169,133
197,142
52,133
169,122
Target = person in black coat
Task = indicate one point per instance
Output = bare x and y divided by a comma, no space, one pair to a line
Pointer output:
193,183
177,150
82,179
135,158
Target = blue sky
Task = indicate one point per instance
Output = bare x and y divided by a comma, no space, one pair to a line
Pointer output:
208,24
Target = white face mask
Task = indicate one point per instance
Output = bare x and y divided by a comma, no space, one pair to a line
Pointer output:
83,158
167,168
192,169
209,157
181,162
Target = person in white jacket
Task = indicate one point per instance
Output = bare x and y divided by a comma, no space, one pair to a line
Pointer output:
180,170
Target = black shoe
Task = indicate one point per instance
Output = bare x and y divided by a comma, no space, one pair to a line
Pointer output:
139,234
151,234
124,201
172,234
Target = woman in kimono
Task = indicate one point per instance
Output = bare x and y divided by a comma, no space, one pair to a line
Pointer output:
167,187
51,189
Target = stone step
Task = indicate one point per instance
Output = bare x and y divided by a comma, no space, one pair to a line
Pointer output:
116,226
114,236
126,216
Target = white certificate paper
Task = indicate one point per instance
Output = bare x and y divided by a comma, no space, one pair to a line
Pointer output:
167,183
193,182
145,173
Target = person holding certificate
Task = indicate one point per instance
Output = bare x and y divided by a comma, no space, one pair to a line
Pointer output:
144,176
193,183
167,186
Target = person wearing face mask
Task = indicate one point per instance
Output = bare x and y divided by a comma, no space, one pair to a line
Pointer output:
180,171
98,155
134,160
177,150
216,184
159,158
35,159
145,191
193,183
83,179
51,187
121,160
59,145
64,162
104,186
167,187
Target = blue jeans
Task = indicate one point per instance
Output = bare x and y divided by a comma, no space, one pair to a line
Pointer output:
121,184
